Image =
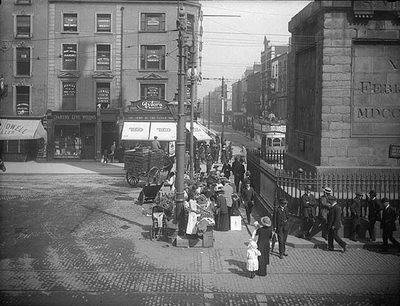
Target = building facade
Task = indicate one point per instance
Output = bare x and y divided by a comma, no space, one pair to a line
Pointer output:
344,87
96,58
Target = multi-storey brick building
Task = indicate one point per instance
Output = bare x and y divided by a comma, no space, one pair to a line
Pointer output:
85,62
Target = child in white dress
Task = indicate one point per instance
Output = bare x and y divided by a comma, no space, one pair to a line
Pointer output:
252,258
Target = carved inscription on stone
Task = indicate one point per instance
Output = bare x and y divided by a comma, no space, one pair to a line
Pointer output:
376,90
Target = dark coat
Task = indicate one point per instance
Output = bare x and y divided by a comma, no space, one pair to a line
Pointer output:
355,209
248,196
308,204
389,219
335,217
323,206
374,209
280,216
264,235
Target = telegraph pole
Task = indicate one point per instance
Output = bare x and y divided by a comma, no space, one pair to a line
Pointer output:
193,83
222,110
209,109
180,142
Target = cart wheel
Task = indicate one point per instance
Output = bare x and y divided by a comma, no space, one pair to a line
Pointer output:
153,176
132,180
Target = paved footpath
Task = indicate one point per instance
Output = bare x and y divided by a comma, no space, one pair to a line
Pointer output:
114,263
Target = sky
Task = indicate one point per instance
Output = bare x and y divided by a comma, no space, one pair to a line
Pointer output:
230,44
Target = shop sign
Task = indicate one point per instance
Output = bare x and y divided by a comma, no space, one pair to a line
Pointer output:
394,151
151,105
74,117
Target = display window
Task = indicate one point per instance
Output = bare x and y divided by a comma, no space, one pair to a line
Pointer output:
67,141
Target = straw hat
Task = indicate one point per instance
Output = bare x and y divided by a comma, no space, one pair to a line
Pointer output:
266,221
219,187
252,244
328,190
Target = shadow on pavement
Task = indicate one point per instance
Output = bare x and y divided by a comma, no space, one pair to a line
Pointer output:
240,267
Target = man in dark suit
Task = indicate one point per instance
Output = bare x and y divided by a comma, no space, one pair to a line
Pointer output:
281,225
308,204
388,224
334,224
374,209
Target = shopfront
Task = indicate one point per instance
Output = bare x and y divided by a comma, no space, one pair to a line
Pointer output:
22,139
72,135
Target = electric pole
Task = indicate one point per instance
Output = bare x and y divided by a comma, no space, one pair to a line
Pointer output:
180,142
222,110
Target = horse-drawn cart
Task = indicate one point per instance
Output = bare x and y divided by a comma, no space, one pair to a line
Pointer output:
146,165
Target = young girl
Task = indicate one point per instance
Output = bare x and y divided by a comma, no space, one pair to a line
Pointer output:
252,258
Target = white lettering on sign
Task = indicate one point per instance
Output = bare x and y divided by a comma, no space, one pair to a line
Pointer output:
136,129
164,130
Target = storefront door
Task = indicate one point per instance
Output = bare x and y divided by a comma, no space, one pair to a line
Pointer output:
88,140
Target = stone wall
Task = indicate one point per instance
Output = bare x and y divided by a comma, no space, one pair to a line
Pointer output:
356,92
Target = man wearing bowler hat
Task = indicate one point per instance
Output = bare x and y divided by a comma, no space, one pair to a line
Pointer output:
388,224
281,225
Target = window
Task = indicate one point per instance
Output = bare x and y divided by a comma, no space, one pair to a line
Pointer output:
103,23
103,95
152,91
69,95
152,22
69,57
276,142
103,57
22,97
70,22
23,61
152,58
23,26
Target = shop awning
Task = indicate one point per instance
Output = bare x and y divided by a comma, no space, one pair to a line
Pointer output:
165,131
198,131
135,131
145,130
19,129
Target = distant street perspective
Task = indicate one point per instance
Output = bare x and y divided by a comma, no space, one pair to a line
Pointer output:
202,152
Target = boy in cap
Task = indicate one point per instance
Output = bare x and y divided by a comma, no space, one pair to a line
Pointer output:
281,225
334,224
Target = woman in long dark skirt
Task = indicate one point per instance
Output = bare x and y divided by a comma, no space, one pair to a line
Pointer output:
264,234
222,222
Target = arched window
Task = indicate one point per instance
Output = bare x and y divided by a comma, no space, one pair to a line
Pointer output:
269,142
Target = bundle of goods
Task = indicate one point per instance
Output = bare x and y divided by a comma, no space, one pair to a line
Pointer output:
142,160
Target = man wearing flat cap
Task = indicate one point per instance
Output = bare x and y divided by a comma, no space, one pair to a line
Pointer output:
374,213
355,210
281,225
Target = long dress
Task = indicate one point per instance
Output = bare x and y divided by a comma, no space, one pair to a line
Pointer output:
222,221
264,235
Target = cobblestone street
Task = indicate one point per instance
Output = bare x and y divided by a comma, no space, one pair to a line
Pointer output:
80,239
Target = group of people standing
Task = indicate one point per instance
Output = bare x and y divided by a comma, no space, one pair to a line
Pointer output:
326,215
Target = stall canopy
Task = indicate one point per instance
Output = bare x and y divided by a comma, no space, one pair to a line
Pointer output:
145,130
18,129
198,131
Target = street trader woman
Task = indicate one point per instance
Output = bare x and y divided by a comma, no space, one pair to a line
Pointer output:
264,234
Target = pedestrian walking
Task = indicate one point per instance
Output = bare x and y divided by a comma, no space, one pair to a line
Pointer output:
388,224
228,192
307,206
248,198
355,210
374,210
209,163
334,224
243,153
323,210
252,258
281,225
263,234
